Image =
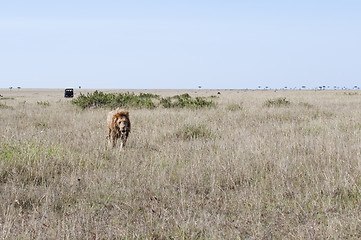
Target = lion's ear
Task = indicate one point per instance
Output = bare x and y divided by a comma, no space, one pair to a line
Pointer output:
126,114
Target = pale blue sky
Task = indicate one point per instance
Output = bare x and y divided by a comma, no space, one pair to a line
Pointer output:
184,44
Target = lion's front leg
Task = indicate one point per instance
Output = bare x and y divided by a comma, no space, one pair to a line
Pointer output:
121,145
123,140
112,139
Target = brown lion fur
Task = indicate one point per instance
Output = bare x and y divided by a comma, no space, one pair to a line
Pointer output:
119,127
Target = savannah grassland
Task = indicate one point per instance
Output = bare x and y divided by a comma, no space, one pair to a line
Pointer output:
257,165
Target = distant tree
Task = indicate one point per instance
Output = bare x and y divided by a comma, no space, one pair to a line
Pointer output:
19,87
199,86
79,87
10,88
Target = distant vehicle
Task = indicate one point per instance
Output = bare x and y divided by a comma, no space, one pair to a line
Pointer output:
69,93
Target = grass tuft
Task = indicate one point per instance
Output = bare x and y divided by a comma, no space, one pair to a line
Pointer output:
4,106
189,132
278,102
43,103
234,107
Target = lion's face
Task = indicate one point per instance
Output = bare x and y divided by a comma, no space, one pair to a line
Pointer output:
122,123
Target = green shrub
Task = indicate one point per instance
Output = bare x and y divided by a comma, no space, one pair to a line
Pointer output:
7,98
43,103
166,102
185,100
112,100
143,100
148,95
350,93
95,99
4,106
131,100
278,102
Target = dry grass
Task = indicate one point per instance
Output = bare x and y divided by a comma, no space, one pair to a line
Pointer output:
240,170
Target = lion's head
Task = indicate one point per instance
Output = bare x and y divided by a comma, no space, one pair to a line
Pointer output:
121,123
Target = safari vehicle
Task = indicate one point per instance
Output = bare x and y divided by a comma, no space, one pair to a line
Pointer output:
69,93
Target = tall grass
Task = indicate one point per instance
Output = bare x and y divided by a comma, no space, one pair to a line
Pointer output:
249,172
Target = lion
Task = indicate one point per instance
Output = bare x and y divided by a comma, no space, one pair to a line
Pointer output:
119,127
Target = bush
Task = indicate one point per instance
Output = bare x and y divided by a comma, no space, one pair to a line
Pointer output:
43,103
4,106
148,95
7,98
278,102
112,100
185,100
143,100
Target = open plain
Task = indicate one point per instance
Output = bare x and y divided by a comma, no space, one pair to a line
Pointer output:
258,165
